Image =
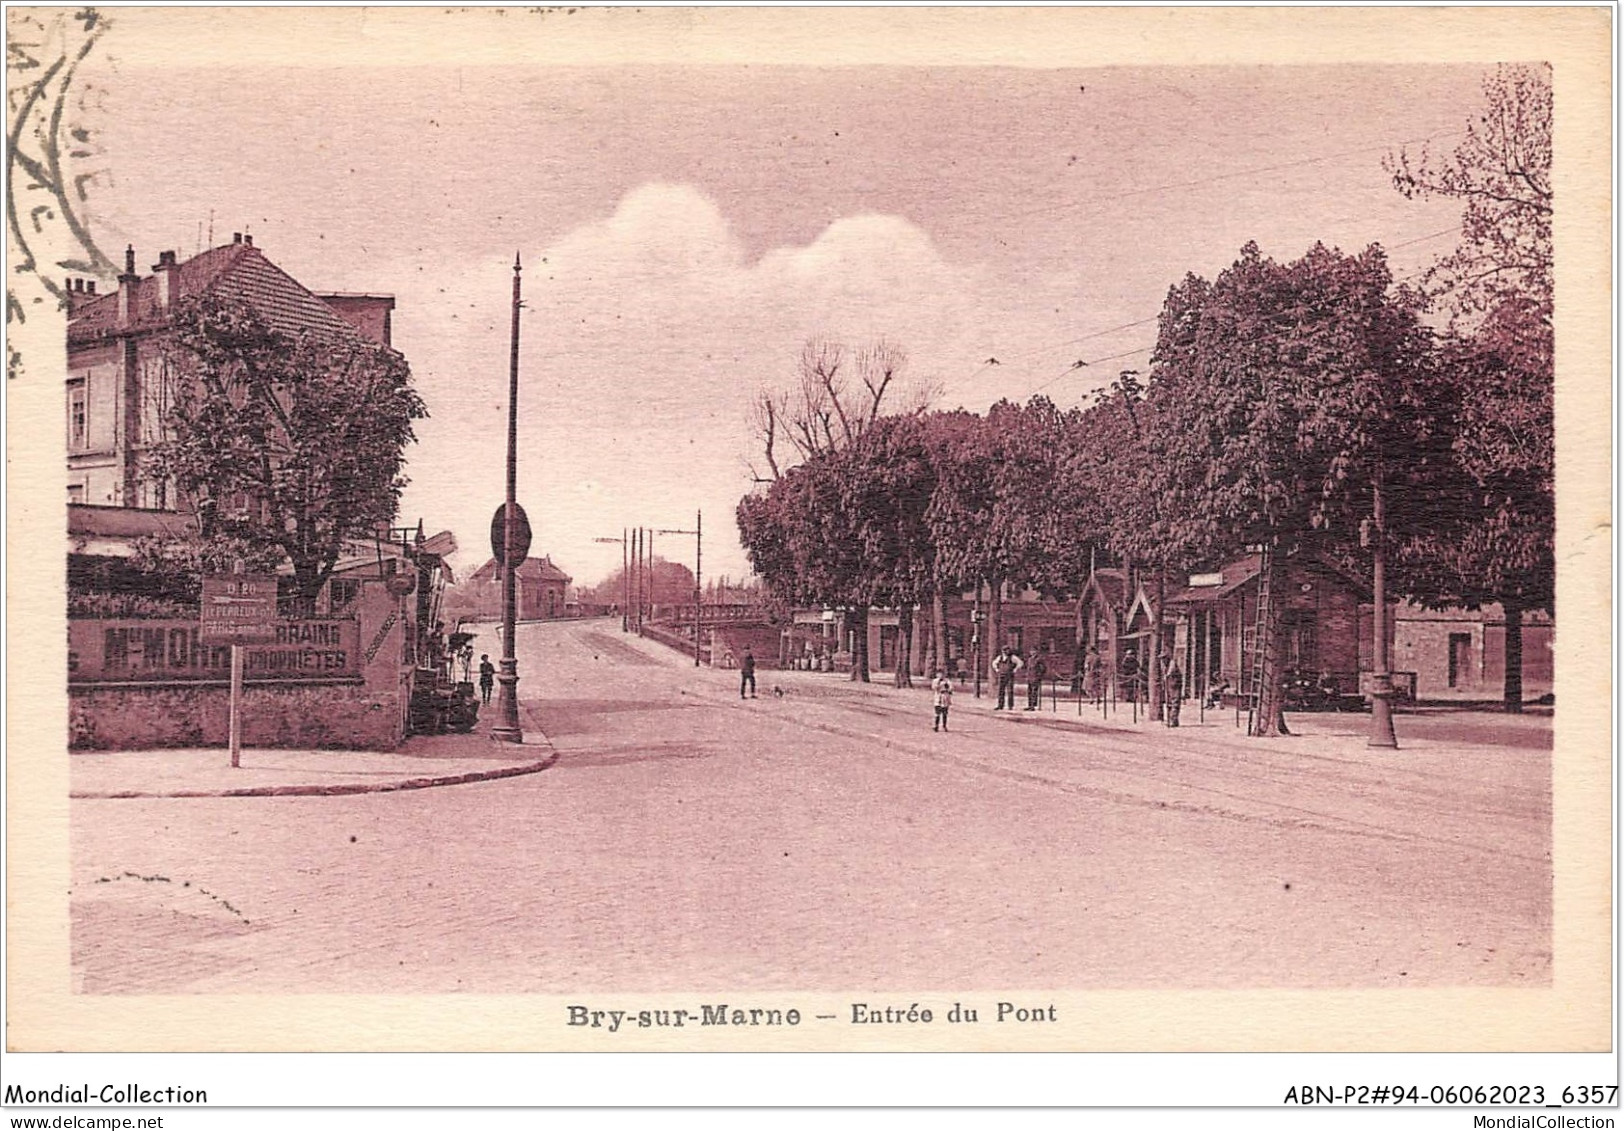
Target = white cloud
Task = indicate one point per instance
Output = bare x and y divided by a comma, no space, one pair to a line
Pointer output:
645,334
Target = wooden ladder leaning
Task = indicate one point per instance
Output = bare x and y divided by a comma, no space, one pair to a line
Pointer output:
1260,646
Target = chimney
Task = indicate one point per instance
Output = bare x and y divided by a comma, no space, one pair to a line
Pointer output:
236,237
166,272
248,240
126,288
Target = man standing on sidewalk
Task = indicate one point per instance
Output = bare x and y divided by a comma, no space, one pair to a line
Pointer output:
1174,689
1035,672
1004,667
747,673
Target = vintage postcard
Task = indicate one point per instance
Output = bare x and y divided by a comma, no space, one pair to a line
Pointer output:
608,529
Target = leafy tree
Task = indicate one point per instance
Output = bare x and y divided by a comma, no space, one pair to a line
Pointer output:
848,528
1276,389
288,447
891,477
1002,514
1482,532
1144,521
1494,541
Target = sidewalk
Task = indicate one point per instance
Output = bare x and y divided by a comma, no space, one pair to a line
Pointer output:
420,763
1437,787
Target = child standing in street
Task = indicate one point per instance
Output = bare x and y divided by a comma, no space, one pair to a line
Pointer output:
943,689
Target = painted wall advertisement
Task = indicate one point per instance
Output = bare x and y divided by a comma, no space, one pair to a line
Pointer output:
124,651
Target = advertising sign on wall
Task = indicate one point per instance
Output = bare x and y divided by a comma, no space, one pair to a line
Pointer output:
151,650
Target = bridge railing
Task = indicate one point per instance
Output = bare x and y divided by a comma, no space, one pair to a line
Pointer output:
713,614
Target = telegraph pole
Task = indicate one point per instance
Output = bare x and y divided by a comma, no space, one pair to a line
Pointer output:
699,550
507,727
624,579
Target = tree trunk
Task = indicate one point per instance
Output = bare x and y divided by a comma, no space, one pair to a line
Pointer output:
1153,704
995,623
938,628
905,631
1514,654
307,582
859,644
1271,710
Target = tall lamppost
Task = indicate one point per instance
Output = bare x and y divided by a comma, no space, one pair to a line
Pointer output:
507,727
699,550
975,639
1381,679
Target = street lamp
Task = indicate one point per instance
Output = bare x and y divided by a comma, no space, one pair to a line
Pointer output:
975,640
1381,680
507,727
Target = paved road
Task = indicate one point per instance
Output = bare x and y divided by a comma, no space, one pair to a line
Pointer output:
826,839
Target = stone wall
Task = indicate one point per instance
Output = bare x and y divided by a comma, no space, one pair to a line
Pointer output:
288,716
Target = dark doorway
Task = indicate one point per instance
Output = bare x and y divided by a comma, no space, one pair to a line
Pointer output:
1460,656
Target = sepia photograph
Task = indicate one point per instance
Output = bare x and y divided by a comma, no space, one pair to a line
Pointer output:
670,529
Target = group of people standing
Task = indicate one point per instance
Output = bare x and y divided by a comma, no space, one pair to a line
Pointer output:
1006,666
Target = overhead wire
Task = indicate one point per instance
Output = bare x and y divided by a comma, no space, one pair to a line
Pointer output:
1083,364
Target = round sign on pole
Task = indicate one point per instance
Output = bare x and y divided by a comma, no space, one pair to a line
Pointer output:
521,534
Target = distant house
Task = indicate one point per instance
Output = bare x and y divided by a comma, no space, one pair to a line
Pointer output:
119,385
1460,654
541,592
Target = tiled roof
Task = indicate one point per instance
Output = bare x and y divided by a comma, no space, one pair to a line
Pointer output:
236,271
531,569
1234,574
1244,569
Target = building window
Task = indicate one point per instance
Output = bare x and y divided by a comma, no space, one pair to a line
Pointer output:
78,417
342,593
76,492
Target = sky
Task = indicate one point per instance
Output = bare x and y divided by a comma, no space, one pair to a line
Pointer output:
685,229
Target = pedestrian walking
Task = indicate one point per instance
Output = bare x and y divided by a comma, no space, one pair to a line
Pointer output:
1035,671
1175,691
1091,674
487,677
747,674
943,699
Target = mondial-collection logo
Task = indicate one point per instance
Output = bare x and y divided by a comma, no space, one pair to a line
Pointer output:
115,1094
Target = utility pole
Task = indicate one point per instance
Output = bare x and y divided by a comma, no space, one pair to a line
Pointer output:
648,574
625,580
699,550
507,727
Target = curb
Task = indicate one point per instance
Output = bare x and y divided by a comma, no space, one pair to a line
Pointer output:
346,790
330,790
